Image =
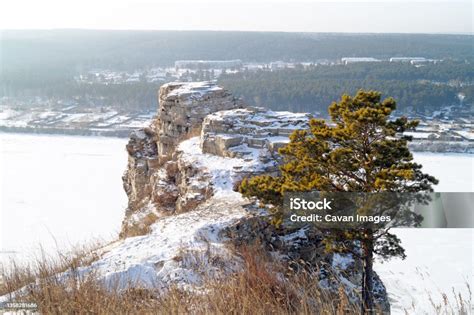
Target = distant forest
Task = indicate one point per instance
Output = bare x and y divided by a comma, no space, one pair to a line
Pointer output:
420,90
43,63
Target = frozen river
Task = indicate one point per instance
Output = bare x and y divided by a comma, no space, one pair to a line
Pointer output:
58,191
438,260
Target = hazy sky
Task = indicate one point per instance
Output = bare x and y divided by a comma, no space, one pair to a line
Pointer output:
435,16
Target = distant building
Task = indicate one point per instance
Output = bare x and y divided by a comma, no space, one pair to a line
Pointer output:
420,62
208,64
406,59
281,65
348,60
412,60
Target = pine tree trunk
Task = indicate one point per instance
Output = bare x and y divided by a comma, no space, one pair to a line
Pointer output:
367,305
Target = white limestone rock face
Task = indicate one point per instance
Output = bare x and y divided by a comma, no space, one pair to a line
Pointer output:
182,108
142,163
159,182
156,180
231,133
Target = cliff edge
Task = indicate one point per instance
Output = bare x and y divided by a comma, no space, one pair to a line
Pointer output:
181,178
185,218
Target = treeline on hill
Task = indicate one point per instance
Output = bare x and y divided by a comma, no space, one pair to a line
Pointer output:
43,63
422,89
132,97
58,53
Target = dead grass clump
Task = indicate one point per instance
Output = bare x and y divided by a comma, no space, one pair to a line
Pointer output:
143,227
458,304
264,285
14,276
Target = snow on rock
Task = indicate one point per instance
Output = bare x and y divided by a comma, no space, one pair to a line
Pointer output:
191,88
7,113
254,127
178,251
292,237
181,250
182,108
340,261
223,170
421,135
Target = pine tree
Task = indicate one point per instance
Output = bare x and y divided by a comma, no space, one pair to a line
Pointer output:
359,150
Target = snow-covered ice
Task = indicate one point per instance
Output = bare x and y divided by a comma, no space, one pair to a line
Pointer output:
438,260
455,171
58,191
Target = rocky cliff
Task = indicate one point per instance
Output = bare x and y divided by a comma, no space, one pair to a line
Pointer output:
181,178
184,216
156,180
159,181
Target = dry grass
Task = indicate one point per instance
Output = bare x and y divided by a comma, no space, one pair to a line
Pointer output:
14,276
458,304
263,286
143,227
256,289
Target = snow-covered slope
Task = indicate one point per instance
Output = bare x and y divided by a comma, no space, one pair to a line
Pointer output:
168,254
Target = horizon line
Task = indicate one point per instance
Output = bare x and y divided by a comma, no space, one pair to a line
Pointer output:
235,31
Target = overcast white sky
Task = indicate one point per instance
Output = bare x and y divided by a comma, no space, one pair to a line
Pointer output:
435,16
